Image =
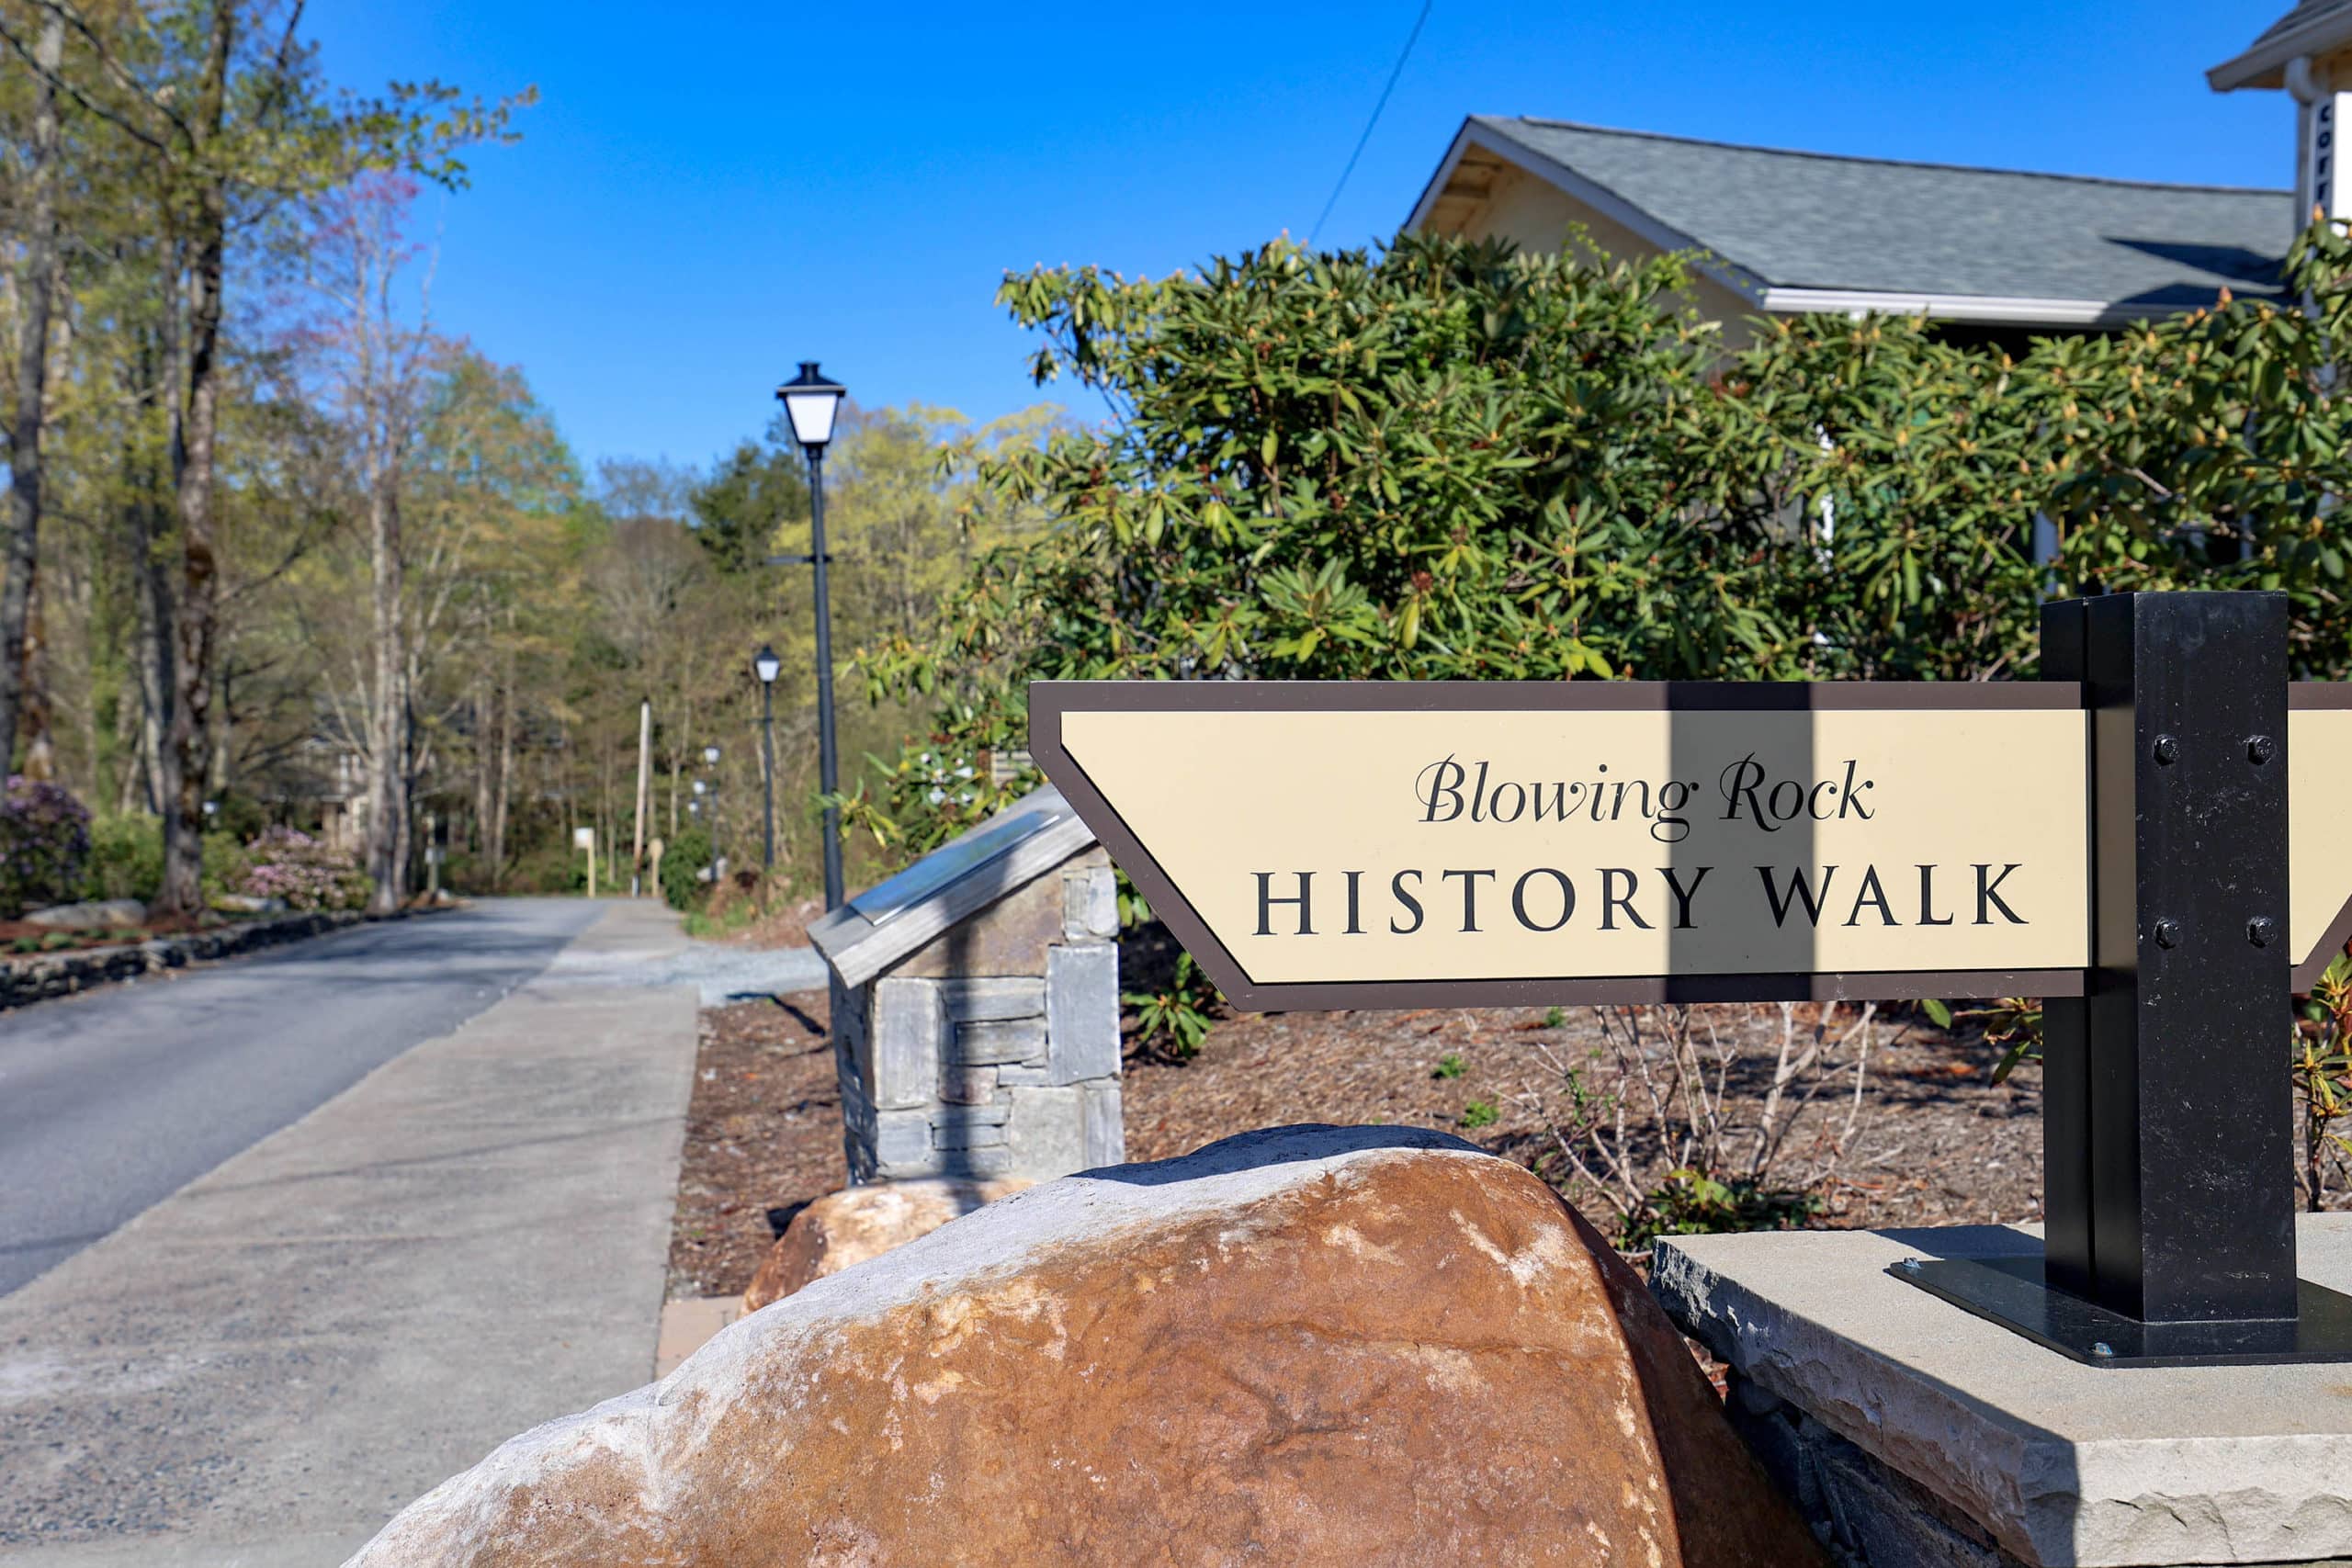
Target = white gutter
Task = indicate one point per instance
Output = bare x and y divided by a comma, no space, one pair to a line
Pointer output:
1998,308
2303,81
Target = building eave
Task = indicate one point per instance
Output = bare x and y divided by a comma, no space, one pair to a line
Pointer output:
1476,132
2265,64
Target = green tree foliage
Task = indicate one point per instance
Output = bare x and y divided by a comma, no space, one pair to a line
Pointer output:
751,493
1448,459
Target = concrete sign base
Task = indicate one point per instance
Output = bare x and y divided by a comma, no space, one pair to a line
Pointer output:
1914,1433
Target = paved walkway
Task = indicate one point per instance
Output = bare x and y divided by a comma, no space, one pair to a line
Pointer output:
113,1101
261,1368
722,973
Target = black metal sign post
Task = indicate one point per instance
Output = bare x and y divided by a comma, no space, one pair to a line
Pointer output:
2168,1116
2151,909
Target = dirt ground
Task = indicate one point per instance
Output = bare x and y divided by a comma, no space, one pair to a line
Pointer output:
764,1136
1932,1140
21,937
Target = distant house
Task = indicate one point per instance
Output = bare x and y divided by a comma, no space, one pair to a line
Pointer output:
1991,254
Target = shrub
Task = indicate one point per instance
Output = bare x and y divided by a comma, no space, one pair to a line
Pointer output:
546,868
1445,461
683,861
126,858
1177,1018
227,865
285,863
45,846
1691,1202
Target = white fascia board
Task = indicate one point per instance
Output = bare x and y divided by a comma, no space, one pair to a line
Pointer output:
1593,194
2323,34
2006,310
1433,192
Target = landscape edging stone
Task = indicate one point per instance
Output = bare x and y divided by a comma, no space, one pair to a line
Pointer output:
44,977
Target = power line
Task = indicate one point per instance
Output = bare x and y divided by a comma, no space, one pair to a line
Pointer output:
1410,40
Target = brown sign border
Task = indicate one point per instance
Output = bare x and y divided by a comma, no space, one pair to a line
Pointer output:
2320,694
1050,700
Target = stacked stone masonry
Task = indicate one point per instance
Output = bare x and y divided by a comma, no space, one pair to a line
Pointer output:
993,1050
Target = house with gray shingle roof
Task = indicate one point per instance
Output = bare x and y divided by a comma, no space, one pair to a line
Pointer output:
1998,253
1779,233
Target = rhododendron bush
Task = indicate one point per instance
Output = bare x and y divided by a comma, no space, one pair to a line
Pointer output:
44,844
285,863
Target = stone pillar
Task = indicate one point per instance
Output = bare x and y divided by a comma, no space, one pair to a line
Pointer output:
993,1050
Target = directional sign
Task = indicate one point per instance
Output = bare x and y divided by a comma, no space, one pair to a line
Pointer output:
1395,844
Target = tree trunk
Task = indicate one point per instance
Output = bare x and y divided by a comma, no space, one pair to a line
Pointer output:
82,591
387,739
33,713
38,281
485,759
505,775
678,751
193,435
152,650
607,811
215,741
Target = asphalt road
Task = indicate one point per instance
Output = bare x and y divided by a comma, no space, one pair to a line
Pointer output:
113,1101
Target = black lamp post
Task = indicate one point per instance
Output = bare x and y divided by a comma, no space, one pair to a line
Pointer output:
766,666
809,402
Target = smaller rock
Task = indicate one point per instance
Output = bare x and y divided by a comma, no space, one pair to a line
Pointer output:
859,1223
247,903
105,914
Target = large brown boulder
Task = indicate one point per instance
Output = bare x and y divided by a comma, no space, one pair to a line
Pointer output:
858,1222
1307,1346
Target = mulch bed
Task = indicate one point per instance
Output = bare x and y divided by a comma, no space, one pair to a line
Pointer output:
18,938
1934,1141
764,1136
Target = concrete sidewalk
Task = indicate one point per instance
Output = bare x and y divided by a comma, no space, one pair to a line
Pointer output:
265,1366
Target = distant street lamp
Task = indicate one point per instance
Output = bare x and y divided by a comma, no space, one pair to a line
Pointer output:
711,755
811,402
766,667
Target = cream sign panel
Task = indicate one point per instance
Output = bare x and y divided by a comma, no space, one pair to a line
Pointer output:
1372,846
1485,842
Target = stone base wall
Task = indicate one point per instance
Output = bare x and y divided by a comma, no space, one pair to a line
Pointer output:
994,1049
1866,1514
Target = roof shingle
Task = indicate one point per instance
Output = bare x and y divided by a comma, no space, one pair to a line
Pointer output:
1813,221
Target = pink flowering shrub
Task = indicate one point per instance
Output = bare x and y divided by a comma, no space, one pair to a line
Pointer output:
45,846
285,863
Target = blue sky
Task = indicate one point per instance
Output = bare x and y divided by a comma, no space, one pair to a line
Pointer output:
705,195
